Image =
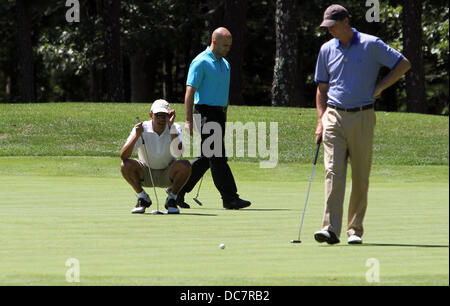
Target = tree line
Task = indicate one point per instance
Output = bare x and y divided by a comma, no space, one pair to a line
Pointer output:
140,50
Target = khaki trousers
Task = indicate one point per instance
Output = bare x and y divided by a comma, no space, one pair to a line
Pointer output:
347,135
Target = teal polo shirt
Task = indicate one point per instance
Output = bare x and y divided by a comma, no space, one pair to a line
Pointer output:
351,72
211,78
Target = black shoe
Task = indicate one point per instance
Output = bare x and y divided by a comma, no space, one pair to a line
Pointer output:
326,236
180,200
183,204
236,204
141,205
171,206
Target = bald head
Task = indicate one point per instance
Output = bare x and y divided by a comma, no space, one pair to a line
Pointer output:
220,33
221,41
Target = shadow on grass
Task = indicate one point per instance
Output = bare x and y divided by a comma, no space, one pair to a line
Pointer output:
195,214
405,245
182,214
250,209
266,209
386,245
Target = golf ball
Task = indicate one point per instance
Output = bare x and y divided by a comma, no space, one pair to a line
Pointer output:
222,246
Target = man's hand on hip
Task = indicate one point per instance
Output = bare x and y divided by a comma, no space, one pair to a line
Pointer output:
377,92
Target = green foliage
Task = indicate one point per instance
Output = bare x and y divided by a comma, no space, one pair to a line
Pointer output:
436,35
8,53
67,56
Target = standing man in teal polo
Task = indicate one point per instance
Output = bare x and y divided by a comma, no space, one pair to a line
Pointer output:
346,72
207,88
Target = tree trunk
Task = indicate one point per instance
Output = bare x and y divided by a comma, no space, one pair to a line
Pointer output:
167,75
126,79
234,20
413,50
114,68
26,69
284,86
95,84
141,86
389,101
8,87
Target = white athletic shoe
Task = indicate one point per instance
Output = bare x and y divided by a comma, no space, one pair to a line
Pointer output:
326,236
141,205
173,211
171,206
353,239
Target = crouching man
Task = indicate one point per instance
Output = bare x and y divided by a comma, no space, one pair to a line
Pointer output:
157,158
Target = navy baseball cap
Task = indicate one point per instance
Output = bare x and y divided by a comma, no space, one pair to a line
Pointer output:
332,14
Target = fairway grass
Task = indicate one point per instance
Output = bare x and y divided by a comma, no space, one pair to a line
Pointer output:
56,208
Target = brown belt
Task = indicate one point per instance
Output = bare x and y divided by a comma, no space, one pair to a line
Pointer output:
356,109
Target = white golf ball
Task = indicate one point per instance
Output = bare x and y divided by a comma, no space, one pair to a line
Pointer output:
222,246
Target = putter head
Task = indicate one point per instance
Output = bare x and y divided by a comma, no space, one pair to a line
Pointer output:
296,241
157,212
198,201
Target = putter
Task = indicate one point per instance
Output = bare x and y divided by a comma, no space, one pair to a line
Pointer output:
198,190
157,211
307,195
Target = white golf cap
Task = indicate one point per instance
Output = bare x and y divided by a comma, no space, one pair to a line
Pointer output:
160,106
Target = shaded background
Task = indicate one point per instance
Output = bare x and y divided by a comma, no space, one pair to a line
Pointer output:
138,51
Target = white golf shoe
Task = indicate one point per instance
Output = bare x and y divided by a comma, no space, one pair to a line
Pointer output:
326,236
141,205
171,206
353,239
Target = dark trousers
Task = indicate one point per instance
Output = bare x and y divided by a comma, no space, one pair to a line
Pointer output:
220,170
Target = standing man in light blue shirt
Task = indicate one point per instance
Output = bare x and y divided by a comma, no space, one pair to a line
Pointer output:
346,72
207,88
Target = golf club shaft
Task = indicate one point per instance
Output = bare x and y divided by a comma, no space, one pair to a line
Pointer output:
198,191
148,166
309,188
199,186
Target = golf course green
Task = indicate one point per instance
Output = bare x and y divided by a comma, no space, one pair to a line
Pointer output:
62,198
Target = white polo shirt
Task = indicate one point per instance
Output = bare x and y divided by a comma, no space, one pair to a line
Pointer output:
158,146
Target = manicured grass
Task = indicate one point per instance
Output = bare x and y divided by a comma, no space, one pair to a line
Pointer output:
99,129
47,217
